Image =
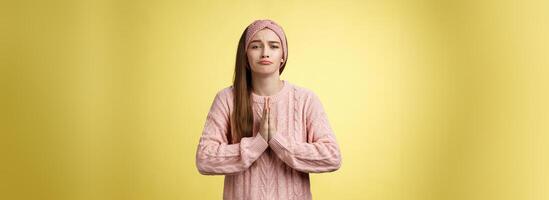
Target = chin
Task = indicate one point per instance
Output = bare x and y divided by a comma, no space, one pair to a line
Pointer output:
264,69
265,72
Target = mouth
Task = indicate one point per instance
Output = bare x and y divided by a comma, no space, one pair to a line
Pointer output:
265,62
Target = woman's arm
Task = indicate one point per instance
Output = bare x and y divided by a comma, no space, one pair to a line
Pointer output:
214,156
320,154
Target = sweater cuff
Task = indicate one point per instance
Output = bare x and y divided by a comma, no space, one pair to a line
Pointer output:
278,143
258,144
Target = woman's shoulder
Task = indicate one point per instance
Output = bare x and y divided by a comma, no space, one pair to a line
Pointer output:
225,93
304,93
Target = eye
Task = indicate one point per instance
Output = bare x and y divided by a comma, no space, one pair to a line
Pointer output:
275,47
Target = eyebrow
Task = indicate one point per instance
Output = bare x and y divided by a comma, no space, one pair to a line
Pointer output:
260,41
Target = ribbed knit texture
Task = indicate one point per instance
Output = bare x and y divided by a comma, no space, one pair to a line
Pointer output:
275,169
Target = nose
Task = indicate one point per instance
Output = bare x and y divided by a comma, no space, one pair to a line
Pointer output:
264,53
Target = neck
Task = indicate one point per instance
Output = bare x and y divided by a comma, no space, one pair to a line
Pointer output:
267,86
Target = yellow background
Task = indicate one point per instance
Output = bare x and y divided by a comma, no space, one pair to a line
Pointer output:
428,99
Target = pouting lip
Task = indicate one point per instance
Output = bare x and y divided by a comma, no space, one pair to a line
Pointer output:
266,62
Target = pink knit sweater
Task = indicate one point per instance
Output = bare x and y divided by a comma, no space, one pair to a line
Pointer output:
275,169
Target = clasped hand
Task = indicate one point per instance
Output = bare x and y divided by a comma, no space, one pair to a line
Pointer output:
267,126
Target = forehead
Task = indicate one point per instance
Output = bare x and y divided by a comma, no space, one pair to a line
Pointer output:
266,34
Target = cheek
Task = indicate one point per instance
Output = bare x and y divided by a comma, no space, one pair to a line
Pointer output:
279,54
251,55
251,58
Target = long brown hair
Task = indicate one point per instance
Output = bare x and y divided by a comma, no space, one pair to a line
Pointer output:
242,117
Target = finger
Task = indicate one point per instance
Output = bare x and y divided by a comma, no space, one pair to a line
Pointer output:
268,106
274,121
271,119
268,120
265,109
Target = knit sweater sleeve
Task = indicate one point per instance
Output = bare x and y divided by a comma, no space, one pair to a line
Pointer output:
321,151
214,156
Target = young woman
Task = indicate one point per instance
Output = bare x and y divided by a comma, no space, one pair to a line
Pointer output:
263,133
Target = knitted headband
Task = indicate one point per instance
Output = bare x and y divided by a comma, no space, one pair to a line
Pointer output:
258,25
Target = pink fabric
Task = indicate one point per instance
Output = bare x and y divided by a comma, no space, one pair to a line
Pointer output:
275,169
258,25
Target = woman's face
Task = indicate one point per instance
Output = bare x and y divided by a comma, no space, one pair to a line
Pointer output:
265,52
